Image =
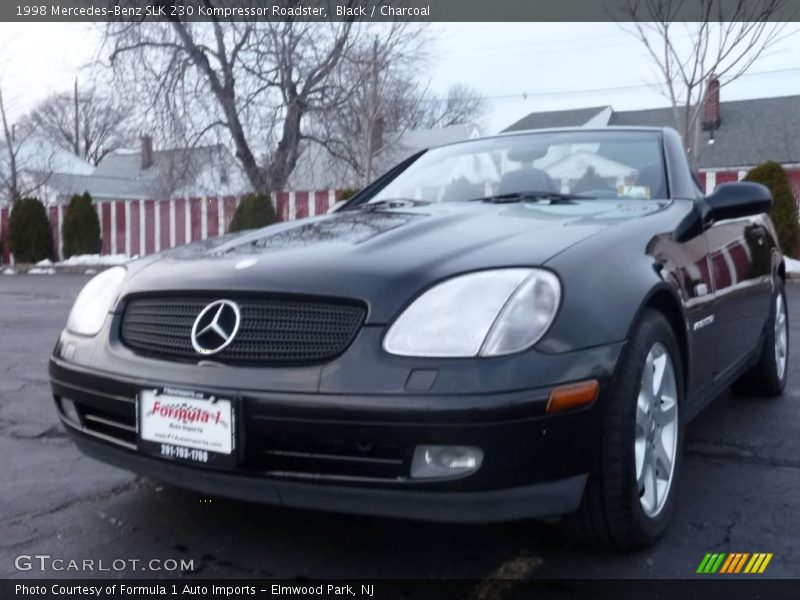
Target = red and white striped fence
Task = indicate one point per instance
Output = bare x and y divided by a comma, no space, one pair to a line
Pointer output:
140,227
711,178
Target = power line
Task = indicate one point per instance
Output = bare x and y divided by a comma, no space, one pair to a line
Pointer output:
563,46
557,45
524,95
480,50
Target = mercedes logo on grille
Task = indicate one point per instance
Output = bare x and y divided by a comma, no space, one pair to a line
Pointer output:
216,326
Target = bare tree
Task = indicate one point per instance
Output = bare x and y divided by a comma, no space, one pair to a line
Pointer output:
24,168
255,81
381,72
462,104
722,45
387,98
84,122
9,174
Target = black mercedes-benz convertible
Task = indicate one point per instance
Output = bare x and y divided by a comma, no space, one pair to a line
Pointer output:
512,327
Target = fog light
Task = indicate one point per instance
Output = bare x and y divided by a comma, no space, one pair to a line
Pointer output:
445,461
69,410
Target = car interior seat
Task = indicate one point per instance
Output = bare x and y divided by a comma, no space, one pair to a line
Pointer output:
652,176
526,180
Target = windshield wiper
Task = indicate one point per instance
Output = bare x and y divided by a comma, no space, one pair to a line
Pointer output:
393,203
553,197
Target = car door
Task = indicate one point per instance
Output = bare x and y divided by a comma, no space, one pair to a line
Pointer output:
739,255
685,264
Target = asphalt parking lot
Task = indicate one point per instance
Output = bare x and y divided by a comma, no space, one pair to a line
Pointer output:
740,492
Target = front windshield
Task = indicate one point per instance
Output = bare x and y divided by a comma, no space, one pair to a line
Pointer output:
591,164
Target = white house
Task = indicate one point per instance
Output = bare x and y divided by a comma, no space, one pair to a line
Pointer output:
37,160
317,169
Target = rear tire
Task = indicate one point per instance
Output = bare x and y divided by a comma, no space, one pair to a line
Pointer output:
618,510
768,376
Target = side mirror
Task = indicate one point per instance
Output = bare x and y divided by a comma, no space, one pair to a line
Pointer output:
735,200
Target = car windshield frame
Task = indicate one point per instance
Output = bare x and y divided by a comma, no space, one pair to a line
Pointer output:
380,191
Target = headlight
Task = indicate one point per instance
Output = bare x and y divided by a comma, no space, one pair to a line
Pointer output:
488,313
95,301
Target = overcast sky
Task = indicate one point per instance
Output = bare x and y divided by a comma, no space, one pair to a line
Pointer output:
519,67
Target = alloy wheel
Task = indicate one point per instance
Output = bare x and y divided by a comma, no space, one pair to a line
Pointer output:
781,336
656,439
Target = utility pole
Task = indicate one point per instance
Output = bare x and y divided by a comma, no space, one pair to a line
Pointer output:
373,109
9,135
76,145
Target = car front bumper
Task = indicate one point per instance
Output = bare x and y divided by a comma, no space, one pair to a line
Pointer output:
351,453
532,501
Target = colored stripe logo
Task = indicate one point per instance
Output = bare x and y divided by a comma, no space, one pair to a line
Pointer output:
735,562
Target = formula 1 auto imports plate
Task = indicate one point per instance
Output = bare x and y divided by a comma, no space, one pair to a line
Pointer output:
187,426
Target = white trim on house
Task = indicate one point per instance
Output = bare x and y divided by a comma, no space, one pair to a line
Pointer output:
711,181
187,221
142,228
743,168
127,228
601,119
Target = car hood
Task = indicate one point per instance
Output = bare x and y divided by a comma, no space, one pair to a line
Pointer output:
382,257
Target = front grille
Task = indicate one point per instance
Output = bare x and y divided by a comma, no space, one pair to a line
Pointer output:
272,330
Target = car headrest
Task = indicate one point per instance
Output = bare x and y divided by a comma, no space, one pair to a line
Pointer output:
526,180
526,154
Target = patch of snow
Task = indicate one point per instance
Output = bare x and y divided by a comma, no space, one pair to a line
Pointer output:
44,263
94,260
42,271
90,272
9,271
792,265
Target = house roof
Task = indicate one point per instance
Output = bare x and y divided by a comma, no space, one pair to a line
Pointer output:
419,139
128,163
750,133
37,153
556,118
66,184
400,147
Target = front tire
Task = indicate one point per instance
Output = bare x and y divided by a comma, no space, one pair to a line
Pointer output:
630,494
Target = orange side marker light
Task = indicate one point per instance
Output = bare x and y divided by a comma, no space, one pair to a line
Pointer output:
573,395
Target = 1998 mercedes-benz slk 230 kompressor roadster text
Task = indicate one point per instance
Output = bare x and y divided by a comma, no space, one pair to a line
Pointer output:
504,328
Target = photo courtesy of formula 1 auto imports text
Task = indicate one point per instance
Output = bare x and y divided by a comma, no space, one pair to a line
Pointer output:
399,299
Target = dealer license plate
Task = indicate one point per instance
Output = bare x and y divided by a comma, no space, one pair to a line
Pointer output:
187,426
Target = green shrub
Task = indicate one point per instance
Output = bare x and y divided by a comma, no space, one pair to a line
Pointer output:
784,206
347,193
81,228
253,212
29,232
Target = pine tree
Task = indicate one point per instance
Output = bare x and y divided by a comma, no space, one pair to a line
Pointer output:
254,211
784,205
29,232
81,228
